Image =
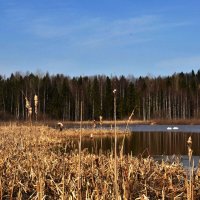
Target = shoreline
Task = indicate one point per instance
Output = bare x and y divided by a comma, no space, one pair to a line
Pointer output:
106,122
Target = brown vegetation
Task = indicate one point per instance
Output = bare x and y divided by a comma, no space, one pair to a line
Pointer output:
34,166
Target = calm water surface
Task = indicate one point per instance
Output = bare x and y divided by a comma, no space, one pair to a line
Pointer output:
159,141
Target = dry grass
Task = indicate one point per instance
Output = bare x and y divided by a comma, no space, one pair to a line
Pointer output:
92,132
32,166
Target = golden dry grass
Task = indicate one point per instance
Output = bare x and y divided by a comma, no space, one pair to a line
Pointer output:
32,166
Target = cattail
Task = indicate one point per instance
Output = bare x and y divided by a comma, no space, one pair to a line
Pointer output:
189,143
27,103
28,107
101,120
36,103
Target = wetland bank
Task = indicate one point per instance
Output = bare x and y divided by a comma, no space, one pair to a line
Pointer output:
39,162
120,78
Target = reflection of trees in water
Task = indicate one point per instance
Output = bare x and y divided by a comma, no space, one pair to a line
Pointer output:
168,143
154,143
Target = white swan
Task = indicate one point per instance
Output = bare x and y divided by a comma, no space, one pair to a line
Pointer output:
175,128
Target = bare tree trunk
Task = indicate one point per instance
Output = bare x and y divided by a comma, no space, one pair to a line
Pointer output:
179,107
166,106
144,109
101,90
11,106
77,107
69,110
197,108
17,110
93,109
38,94
169,106
4,106
174,107
149,106
163,107
44,104
156,106
183,102
23,112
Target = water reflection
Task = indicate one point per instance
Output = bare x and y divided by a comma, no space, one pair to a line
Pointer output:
152,143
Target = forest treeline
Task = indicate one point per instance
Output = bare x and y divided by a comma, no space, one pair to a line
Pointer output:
60,97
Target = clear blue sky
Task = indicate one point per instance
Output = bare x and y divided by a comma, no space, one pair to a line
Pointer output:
111,37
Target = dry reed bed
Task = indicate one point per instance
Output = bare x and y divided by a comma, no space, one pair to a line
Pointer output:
92,132
32,168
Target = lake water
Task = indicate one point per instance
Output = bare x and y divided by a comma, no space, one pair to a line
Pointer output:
159,141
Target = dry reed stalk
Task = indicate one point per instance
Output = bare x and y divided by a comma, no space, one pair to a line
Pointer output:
19,195
163,193
63,188
79,166
12,186
44,151
129,119
179,196
126,131
40,187
101,123
116,172
1,189
191,169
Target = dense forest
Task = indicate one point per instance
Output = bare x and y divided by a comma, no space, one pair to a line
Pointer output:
60,97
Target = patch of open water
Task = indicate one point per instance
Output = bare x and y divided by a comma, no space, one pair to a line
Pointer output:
159,141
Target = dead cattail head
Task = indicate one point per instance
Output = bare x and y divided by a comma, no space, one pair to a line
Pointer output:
36,103
94,123
189,141
101,120
28,107
27,103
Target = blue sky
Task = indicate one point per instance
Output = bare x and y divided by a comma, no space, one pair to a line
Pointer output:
110,37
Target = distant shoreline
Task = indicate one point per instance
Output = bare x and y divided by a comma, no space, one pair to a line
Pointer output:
109,122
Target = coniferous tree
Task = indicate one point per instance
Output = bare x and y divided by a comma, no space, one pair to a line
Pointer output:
172,97
96,99
108,100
